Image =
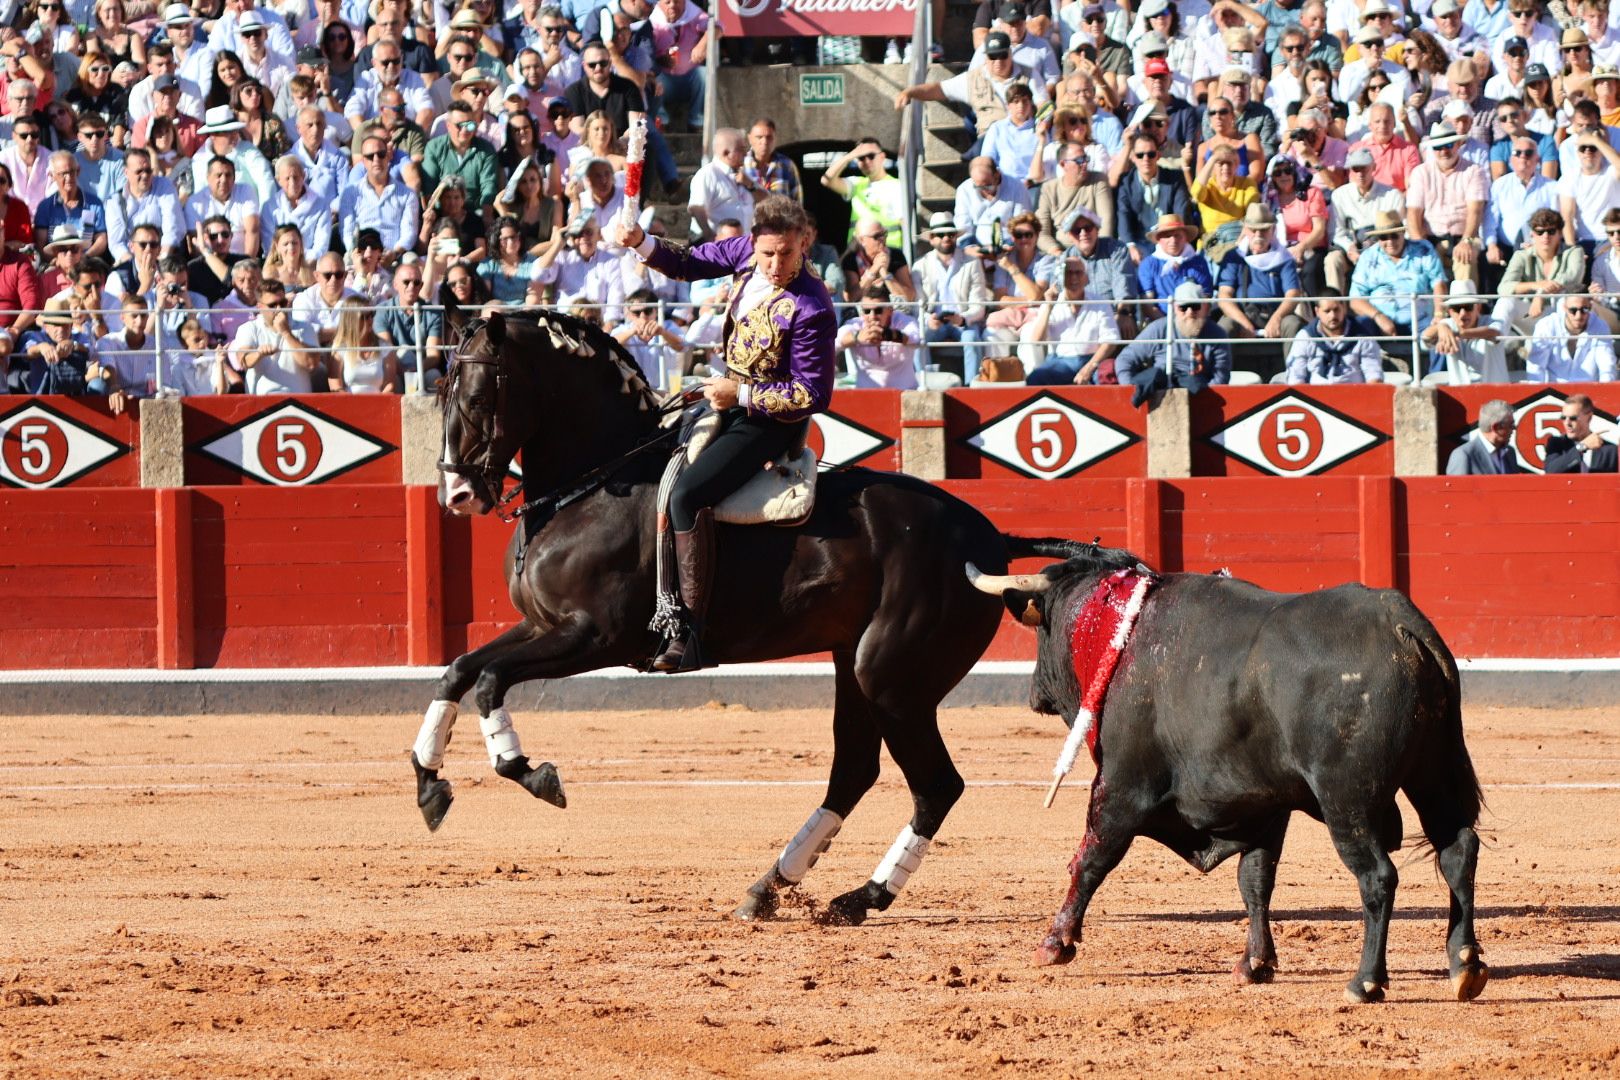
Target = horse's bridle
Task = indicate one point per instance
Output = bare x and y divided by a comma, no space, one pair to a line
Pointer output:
493,474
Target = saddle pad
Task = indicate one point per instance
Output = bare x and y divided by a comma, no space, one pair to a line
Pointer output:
782,494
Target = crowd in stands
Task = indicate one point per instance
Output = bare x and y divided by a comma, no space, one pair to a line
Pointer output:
278,198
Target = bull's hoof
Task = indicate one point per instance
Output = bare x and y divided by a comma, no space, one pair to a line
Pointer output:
757,907
1052,952
1248,972
1471,975
541,781
1361,992
433,795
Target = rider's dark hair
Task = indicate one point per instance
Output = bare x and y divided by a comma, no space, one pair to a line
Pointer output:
779,214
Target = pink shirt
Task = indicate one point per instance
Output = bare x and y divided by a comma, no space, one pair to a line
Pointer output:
677,40
1444,197
1301,215
29,185
1393,162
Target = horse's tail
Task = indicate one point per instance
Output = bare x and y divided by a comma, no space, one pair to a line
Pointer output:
1047,547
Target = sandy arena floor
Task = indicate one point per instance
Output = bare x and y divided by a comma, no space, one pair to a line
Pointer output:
259,897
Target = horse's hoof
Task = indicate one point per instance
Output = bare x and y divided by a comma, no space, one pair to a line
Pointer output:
1470,980
1363,993
1248,972
540,781
433,796
847,910
1051,953
756,907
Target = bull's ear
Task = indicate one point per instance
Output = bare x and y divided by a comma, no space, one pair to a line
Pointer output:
495,329
1024,606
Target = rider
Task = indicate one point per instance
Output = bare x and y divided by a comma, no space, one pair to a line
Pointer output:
779,356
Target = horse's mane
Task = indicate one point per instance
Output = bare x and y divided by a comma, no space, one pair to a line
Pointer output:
576,335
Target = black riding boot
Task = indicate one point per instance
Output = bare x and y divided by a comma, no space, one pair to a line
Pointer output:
694,558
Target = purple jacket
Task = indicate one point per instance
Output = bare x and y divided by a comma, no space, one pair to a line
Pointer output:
783,350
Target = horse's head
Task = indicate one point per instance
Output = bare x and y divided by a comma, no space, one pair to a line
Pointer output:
480,439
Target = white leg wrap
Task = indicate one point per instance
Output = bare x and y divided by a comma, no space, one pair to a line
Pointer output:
499,738
901,861
806,847
435,734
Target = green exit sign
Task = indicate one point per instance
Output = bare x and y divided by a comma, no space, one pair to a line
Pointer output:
821,89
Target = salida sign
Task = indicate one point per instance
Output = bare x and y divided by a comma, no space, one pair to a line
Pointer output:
812,18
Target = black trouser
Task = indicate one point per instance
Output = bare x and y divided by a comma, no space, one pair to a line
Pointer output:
745,445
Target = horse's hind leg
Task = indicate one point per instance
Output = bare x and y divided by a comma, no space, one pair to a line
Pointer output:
433,795
854,770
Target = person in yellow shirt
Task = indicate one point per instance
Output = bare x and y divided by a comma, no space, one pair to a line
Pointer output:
1606,93
1222,197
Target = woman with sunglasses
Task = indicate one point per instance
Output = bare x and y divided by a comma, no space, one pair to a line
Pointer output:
1302,211
462,287
250,101
1069,126
1576,52
1223,124
95,91
56,29
118,42
338,46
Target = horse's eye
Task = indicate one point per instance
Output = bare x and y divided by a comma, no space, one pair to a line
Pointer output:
477,404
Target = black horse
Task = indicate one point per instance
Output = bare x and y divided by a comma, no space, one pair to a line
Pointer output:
874,577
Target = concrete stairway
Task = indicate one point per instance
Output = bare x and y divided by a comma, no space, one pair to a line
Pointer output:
945,137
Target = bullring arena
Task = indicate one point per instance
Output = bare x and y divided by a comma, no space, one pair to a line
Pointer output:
255,895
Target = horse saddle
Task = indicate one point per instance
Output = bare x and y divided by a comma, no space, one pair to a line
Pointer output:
782,493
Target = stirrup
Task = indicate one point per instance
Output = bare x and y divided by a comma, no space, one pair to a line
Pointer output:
680,653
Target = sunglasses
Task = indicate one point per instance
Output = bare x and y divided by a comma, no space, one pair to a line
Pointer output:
253,34
376,155
29,135
100,69
275,305
1524,153
1023,234
553,29
388,63
1188,309
462,56
1084,225
1220,112
641,312
219,236
1544,231
595,64
97,134
1568,419
328,275
1573,48
455,283
1146,155
1588,149
145,245
1579,310
410,282
867,157
1293,48
468,125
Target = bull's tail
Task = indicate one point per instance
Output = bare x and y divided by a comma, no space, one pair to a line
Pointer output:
1443,787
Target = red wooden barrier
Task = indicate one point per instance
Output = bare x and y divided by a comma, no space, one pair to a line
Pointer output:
49,442
861,428
1293,431
1044,434
293,441
1536,408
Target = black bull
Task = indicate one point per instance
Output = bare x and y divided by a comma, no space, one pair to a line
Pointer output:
1233,706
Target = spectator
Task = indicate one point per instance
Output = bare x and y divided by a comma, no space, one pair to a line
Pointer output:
1355,208
1095,55
601,89
1583,119
1370,59
138,275
1012,141
1466,342
582,271
367,277
198,368
58,359
1539,273
406,139
1326,352
1172,261
1510,117
70,205
1286,86
1315,150
1393,158
1606,270
225,140
129,356
326,168
289,261
986,203
175,300
144,200
1196,358
1223,196
1515,199
952,287
451,208
1180,129
509,269
539,216
237,307
982,88
1068,125
874,194
1302,208
460,152
161,72
1032,52
1076,331
552,61
1564,347
1445,200
225,197
388,73
1109,270
871,263
378,201
296,203
1020,279
473,90
65,250
461,56
721,189
359,362
19,292
1222,130
413,329
166,106
1579,449
17,222
1147,194
316,310
274,359
1390,272
1250,117
269,70
599,141
1259,286
1488,450
210,271
1075,188
657,349
28,165
680,40
101,167
1456,38
770,172
882,343
1587,192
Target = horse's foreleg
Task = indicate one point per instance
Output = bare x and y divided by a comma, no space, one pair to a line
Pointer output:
562,651
854,770
433,795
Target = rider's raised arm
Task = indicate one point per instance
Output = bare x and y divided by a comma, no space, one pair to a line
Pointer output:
717,258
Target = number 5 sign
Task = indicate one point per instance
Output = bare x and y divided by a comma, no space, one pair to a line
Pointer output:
1049,438
42,448
1293,435
292,444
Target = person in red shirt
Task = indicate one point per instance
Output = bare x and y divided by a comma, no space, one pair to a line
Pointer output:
1393,156
19,291
16,223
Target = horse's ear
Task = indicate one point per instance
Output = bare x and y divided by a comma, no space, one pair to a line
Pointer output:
495,329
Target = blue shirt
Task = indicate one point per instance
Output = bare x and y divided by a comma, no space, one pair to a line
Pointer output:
1249,283
312,215
89,217
1150,348
395,214
1157,278
507,288
1011,147
1490,25
1386,282
1508,210
104,177
400,325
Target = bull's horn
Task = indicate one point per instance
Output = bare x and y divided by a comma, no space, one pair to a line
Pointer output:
996,584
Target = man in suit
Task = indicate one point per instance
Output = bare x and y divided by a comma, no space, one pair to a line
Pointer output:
1146,194
1579,449
1489,450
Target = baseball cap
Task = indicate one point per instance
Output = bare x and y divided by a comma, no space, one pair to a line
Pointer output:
997,45
1515,43
1189,292
165,82
1013,12
1536,73
1156,66
310,55
1155,7
1360,158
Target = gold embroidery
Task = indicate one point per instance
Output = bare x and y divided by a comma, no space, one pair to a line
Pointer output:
758,338
797,399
